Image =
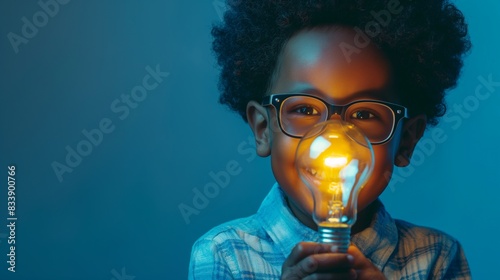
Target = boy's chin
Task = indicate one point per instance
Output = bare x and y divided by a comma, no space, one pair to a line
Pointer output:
302,209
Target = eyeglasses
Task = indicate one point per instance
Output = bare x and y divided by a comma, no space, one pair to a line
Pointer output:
298,113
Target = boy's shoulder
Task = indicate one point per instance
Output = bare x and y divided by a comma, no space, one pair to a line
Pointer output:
416,240
234,249
236,229
412,231
427,251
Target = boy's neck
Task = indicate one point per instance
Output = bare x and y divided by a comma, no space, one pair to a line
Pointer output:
364,220
365,217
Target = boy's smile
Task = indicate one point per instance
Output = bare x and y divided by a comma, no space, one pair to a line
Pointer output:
312,62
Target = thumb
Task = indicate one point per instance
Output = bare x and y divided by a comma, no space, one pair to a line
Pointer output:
360,261
363,266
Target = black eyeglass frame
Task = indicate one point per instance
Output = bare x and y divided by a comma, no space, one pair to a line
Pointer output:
400,112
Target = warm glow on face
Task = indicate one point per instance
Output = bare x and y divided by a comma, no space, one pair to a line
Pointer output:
335,162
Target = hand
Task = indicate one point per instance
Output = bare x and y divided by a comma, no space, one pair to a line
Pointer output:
309,260
364,268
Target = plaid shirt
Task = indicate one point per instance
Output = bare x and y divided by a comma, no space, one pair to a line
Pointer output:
256,247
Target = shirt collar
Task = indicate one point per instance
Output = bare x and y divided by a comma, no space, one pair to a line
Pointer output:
377,242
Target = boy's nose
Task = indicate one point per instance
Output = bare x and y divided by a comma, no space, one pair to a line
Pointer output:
335,116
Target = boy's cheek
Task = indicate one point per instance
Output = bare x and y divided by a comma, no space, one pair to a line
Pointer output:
294,188
379,179
283,166
372,190
283,149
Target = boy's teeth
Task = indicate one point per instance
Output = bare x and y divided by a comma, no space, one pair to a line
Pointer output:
312,171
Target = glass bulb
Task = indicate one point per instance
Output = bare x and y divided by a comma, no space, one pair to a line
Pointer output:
334,159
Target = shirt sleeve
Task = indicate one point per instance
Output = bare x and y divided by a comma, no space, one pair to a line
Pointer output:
207,262
455,265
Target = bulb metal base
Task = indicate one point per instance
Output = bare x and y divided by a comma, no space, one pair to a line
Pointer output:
338,236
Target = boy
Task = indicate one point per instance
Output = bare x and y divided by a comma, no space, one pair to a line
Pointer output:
282,63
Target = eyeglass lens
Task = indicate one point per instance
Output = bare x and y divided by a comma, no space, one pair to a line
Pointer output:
298,114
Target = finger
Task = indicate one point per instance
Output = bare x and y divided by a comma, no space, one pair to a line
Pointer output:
364,266
360,260
304,249
326,262
320,263
333,262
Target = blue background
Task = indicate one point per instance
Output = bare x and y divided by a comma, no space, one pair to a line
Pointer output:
116,214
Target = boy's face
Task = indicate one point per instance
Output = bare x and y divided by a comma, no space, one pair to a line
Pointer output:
326,63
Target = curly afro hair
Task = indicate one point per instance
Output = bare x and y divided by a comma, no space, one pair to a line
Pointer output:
425,44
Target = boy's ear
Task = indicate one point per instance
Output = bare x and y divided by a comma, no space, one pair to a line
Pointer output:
258,120
413,130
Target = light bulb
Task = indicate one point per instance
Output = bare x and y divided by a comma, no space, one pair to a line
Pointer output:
334,159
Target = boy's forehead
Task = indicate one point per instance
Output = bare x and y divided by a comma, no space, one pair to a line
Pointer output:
319,57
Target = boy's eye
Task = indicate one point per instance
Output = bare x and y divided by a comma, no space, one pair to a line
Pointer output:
362,115
306,110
